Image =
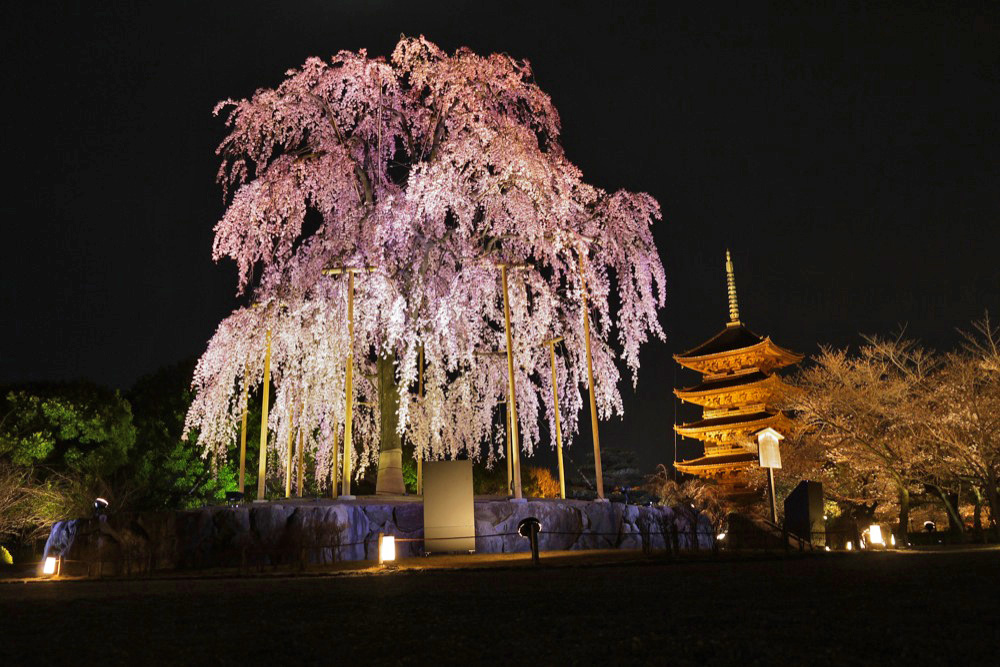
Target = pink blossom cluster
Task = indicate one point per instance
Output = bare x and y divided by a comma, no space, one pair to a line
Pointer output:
433,169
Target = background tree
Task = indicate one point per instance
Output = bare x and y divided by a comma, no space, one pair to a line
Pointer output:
540,483
963,411
434,169
74,428
168,471
863,413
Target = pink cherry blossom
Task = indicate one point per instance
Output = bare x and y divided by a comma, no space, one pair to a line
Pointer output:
433,169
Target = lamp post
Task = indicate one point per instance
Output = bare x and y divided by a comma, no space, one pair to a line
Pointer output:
598,472
349,382
515,458
555,399
262,456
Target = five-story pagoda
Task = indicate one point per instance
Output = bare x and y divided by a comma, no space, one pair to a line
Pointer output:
738,383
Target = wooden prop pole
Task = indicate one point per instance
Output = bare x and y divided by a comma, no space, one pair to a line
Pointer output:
511,393
555,400
598,472
262,458
243,427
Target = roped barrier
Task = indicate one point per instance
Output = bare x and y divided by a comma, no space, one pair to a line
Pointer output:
674,542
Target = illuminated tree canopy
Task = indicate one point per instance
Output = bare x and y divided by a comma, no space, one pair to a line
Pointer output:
433,169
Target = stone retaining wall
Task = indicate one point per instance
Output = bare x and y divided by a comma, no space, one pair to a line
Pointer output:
328,531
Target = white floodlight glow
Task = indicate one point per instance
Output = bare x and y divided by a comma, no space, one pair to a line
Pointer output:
826,548
849,545
386,549
875,534
892,540
49,567
720,536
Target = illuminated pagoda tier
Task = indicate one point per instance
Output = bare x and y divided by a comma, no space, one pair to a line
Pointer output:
738,383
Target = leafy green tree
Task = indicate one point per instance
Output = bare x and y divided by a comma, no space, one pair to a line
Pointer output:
169,471
79,428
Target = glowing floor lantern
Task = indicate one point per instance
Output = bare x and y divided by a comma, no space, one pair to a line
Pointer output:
386,549
49,566
849,546
875,534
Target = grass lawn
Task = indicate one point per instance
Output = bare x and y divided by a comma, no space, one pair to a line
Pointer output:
860,608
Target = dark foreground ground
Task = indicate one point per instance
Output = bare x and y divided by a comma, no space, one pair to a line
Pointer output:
835,609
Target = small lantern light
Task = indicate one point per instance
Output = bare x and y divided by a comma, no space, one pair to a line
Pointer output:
50,566
529,528
875,534
100,507
386,548
849,545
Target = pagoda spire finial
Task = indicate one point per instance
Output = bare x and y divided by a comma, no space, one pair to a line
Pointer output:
734,306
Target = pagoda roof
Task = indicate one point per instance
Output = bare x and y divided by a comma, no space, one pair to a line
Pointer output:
735,348
726,461
729,339
733,420
725,382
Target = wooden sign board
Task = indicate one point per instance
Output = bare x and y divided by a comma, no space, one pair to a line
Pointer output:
770,455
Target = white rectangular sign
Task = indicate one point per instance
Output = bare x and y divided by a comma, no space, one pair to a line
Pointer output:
770,456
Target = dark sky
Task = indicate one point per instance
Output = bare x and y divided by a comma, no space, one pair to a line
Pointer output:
848,157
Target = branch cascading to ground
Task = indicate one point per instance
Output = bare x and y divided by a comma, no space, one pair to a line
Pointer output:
433,170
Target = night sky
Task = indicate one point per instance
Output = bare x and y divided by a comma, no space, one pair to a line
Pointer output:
848,160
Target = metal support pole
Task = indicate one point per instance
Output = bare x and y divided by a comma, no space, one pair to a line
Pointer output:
243,427
262,458
511,393
598,472
555,400
349,389
774,500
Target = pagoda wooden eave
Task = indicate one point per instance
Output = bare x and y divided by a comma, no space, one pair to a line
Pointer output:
704,465
699,393
763,355
757,420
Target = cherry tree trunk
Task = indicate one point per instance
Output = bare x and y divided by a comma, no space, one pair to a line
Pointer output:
950,503
993,496
902,531
390,458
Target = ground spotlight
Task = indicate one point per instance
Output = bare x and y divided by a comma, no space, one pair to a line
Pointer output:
386,549
529,528
100,506
50,566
